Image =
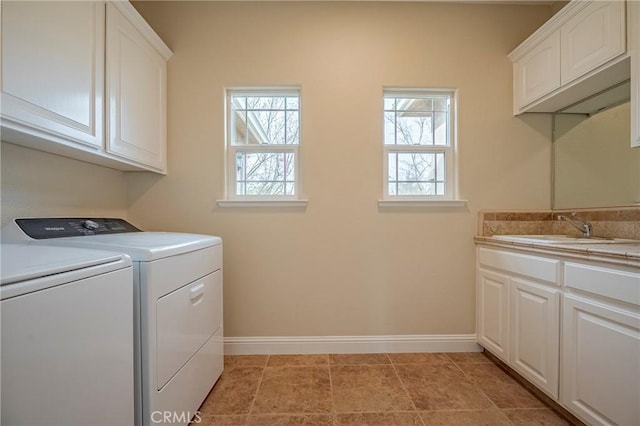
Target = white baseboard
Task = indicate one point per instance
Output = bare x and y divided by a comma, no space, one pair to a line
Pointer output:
274,345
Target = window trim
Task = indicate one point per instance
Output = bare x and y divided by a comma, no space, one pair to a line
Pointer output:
450,199
230,198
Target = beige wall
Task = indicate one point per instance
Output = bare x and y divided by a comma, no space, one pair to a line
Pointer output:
342,266
36,183
595,165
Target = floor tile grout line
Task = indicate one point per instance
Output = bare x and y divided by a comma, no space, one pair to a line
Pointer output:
478,388
253,402
404,388
406,391
327,413
333,403
450,359
512,381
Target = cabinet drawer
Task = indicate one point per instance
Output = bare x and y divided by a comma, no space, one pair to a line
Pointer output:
614,284
531,266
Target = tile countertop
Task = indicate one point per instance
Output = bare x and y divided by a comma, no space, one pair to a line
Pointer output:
627,254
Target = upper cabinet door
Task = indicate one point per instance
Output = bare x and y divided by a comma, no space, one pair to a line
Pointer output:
635,73
592,37
53,69
136,90
538,71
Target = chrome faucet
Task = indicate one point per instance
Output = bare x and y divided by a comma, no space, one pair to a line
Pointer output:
584,226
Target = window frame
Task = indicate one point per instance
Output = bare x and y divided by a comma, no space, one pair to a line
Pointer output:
231,150
450,197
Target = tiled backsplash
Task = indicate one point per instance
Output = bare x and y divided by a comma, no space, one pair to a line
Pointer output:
612,223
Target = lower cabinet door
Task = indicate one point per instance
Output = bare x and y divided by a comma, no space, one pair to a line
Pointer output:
600,362
493,312
535,333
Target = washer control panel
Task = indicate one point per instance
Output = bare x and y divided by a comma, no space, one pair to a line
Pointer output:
43,228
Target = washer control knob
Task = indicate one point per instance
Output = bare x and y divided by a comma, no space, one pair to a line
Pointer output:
90,225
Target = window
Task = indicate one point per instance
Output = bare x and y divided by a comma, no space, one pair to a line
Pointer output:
419,145
263,143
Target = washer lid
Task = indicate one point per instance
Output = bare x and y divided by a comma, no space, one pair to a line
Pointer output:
22,262
141,246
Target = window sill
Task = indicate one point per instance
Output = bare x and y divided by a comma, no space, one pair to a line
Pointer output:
422,203
263,203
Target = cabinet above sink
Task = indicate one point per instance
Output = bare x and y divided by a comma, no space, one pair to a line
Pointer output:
578,53
589,50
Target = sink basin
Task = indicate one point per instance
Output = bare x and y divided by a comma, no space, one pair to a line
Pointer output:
560,239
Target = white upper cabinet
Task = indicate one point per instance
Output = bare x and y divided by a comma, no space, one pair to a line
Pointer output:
53,70
84,79
579,52
136,89
591,38
538,72
634,21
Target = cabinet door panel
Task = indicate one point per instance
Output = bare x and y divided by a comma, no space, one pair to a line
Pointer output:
538,72
634,11
593,37
493,312
136,77
535,333
53,68
601,368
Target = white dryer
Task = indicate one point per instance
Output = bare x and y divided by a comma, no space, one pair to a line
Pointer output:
177,305
67,336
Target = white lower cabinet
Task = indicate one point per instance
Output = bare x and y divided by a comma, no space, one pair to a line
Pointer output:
601,363
519,313
601,344
572,328
535,333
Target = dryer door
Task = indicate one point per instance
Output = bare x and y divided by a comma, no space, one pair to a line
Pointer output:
186,319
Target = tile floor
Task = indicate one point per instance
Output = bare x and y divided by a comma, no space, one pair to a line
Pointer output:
370,389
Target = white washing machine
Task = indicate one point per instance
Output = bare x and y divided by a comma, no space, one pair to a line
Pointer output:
177,305
67,336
